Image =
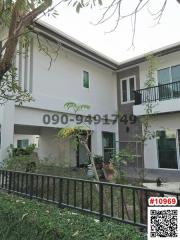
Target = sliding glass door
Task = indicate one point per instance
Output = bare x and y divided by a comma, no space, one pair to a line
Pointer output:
168,151
108,145
169,82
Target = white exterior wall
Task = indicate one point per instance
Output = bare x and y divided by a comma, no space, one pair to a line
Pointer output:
159,122
172,105
7,128
33,139
54,150
169,119
62,83
165,61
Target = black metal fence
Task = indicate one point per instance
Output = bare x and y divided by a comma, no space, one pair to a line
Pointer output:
157,93
124,203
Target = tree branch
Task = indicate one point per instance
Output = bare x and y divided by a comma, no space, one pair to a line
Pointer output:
19,21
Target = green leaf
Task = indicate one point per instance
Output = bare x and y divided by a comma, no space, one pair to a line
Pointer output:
78,7
100,2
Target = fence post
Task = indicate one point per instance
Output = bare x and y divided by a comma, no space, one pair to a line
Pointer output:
10,182
60,192
101,202
0,179
143,207
31,185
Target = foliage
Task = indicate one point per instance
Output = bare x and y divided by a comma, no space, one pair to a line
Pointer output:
150,82
79,4
20,159
72,132
16,17
11,90
60,170
79,134
120,161
29,220
98,159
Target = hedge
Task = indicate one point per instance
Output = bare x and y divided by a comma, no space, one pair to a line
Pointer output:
24,219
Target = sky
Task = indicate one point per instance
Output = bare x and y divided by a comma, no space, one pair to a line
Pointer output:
117,44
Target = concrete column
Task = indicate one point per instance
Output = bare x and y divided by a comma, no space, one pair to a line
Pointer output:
96,141
7,113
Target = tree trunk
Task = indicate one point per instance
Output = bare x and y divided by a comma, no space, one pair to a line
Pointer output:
19,21
92,160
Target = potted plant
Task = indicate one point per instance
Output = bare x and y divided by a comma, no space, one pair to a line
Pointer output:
120,161
109,171
98,160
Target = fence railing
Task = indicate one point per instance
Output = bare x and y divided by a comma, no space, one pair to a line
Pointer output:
123,203
157,93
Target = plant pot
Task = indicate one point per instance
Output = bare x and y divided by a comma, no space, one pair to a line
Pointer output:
108,172
109,176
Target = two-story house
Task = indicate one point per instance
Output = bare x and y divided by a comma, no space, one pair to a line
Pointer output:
161,152
84,76
79,75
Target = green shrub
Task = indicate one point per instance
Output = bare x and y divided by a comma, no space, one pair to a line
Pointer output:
20,159
22,219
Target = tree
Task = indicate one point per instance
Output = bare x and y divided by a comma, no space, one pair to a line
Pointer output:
15,19
115,9
79,134
16,16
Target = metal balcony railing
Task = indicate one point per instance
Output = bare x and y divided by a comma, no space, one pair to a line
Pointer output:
157,93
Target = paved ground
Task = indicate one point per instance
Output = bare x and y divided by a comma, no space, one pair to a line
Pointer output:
153,174
167,187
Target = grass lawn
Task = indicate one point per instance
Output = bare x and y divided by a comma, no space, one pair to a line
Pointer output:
23,219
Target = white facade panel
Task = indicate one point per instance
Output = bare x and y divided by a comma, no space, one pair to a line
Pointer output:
63,82
159,122
52,88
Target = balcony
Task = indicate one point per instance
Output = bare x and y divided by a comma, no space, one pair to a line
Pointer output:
160,95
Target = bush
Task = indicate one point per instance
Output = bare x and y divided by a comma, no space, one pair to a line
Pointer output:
21,159
22,219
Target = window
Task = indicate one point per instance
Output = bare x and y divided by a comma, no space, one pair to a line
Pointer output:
167,149
85,79
22,143
108,139
0,135
127,89
169,75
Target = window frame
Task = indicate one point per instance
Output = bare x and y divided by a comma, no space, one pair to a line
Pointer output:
22,140
170,72
177,149
128,88
84,71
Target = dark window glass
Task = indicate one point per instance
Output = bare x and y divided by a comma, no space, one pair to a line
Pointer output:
175,72
167,152
165,91
124,90
163,76
108,145
132,88
22,143
0,135
85,79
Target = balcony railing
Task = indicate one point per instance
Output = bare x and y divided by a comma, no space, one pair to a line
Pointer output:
157,93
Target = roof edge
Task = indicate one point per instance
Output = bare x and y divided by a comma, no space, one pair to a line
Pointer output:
158,52
74,45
